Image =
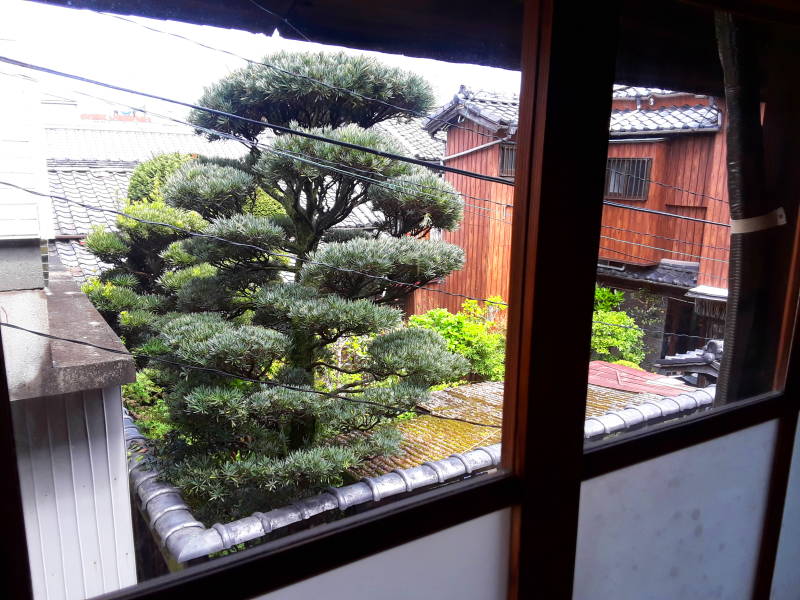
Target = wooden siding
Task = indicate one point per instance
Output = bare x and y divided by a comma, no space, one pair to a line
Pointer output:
485,231
688,177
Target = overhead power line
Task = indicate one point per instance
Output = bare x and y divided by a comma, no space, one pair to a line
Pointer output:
235,376
250,246
698,256
266,125
665,214
664,185
328,140
671,239
642,258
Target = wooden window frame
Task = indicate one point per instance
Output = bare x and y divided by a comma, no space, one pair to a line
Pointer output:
506,149
540,420
640,182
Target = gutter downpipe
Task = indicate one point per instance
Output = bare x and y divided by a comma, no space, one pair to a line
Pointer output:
746,179
475,149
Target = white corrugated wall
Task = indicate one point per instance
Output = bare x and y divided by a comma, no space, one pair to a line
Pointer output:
71,458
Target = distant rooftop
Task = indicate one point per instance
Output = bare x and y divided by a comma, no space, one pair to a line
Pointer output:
133,144
632,91
670,272
413,138
500,112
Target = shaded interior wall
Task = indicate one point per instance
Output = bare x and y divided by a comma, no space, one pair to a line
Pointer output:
687,524
469,561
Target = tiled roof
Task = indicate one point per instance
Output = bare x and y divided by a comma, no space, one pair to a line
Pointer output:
628,379
632,91
98,185
414,140
701,360
430,438
611,388
600,399
499,108
488,109
362,216
670,272
77,260
496,111
665,119
132,145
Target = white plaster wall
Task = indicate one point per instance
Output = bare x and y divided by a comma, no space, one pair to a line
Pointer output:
786,578
686,525
74,484
465,562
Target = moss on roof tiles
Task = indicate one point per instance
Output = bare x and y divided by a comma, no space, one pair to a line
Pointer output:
427,438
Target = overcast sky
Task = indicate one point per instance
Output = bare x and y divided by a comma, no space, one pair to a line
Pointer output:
102,47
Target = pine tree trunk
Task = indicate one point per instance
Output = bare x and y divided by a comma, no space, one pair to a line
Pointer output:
303,428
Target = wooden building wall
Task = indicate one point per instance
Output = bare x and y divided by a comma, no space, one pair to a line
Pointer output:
485,231
688,177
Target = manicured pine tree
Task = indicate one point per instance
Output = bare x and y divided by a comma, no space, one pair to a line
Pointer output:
302,303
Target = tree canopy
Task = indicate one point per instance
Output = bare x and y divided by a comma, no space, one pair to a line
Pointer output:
298,303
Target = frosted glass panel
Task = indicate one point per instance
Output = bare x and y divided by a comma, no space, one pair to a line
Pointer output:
682,526
786,580
465,562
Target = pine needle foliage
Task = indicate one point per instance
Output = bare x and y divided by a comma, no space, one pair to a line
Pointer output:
265,94
279,304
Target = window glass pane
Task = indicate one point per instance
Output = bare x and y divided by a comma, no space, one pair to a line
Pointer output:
684,525
662,274
317,328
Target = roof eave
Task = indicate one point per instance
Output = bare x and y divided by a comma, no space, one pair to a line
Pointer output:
446,118
662,132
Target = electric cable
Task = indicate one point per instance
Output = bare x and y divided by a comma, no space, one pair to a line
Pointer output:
221,373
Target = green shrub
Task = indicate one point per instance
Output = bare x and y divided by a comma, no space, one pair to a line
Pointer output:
148,177
144,399
616,336
242,311
607,299
472,335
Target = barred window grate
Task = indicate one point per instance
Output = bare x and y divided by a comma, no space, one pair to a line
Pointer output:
628,178
508,156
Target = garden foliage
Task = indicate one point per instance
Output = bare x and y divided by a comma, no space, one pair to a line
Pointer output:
615,334
475,332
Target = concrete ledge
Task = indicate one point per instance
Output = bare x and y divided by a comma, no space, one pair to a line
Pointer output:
40,367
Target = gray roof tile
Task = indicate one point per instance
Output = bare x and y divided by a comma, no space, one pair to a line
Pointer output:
632,91
76,259
670,272
665,119
414,140
92,186
496,111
